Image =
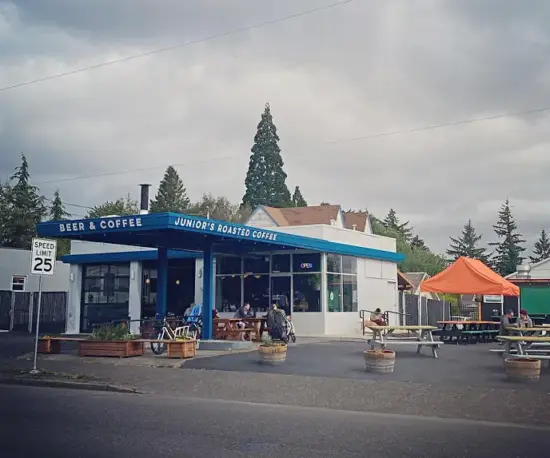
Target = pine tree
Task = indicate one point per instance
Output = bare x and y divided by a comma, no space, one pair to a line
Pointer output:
58,213
418,244
23,209
467,245
171,195
541,250
391,221
57,208
297,198
266,180
509,247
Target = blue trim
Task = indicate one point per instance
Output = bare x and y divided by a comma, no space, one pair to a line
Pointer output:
162,282
125,256
194,233
207,293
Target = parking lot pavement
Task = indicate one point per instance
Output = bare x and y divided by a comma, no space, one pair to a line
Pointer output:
472,365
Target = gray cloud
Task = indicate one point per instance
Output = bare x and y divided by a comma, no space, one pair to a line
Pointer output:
360,69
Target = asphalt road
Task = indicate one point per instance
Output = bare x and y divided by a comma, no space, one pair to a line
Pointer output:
73,423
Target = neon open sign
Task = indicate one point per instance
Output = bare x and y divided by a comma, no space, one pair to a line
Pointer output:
306,265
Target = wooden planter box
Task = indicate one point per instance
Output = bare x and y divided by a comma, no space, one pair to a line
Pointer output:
112,348
182,349
48,346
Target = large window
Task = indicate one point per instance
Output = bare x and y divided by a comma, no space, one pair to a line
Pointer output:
228,292
306,263
256,265
341,283
307,293
105,294
256,291
228,265
280,263
148,292
334,292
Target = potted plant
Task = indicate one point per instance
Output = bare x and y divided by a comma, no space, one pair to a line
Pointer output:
182,347
272,352
522,369
111,340
380,361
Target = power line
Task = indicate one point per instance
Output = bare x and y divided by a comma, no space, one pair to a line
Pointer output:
176,46
438,126
334,142
121,172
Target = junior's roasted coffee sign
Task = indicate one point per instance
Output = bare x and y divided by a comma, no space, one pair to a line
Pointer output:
220,228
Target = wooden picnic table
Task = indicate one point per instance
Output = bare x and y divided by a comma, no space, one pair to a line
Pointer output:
523,344
225,328
534,331
423,337
468,331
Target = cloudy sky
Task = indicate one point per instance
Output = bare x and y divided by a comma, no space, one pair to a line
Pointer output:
364,68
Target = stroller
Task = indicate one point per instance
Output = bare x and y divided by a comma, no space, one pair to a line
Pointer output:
283,328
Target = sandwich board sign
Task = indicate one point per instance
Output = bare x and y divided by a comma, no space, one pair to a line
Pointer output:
43,255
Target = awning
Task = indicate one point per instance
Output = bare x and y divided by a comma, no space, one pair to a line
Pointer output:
469,276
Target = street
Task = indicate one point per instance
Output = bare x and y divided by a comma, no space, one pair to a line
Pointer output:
75,423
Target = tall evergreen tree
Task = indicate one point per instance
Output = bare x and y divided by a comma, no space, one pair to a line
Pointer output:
541,250
467,245
509,246
171,195
57,208
391,221
266,180
418,243
24,208
124,206
297,198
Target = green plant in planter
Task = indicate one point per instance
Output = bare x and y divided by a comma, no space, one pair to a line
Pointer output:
267,341
112,332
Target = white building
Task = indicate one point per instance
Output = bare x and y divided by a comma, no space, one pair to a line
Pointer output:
324,291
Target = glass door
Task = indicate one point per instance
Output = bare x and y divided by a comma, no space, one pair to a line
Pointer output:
280,292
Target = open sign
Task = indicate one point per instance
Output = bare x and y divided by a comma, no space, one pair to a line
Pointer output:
306,265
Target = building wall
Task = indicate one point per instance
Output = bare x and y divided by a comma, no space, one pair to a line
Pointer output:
341,235
79,247
18,262
541,271
261,219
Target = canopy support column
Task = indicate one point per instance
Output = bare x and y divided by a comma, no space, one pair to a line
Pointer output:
162,282
207,292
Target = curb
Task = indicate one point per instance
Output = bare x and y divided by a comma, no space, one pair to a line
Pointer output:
68,385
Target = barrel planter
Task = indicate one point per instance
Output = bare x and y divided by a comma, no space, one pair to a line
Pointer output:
380,361
272,354
112,348
522,369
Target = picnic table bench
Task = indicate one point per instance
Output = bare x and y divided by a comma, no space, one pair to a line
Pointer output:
423,337
522,344
468,331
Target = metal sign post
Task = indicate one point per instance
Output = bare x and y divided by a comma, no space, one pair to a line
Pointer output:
43,255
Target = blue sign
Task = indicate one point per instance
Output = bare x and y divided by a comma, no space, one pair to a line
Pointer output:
221,228
101,224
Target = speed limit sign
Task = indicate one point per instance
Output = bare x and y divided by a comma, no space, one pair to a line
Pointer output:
43,255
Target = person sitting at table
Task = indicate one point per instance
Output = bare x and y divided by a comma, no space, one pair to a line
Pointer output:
505,323
242,313
215,314
378,318
524,320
